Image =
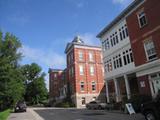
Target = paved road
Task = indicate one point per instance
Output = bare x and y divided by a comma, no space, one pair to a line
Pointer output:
83,114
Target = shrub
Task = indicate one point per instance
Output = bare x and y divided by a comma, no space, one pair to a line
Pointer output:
65,104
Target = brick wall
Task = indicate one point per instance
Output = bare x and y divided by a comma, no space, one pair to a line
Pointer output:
152,29
143,84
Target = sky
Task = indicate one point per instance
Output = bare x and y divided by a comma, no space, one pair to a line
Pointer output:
44,27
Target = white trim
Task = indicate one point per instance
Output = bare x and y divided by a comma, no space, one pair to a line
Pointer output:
87,47
148,68
150,85
138,17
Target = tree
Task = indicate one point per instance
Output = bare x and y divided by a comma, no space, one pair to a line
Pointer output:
11,78
36,91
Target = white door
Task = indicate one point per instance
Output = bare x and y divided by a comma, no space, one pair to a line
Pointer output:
155,83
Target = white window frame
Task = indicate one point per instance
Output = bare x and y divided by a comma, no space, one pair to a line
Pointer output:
83,100
82,88
127,56
80,55
140,15
92,70
94,86
146,49
91,57
81,70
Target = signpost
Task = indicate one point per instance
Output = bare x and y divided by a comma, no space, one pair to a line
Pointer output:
130,108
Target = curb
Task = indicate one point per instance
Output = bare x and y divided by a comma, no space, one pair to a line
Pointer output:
37,117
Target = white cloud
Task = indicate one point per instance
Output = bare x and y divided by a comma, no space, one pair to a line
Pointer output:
43,57
122,2
90,39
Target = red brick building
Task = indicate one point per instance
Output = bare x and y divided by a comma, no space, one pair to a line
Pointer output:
57,84
144,31
85,72
131,51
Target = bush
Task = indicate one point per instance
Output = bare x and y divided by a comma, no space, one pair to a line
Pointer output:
65,105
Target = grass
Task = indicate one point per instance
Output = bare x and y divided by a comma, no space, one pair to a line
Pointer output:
4,114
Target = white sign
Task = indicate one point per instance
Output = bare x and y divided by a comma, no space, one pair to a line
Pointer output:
130,108
142,83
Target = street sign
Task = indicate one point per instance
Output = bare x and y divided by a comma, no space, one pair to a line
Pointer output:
130,108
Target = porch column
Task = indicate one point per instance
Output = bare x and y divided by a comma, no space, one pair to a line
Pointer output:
151,86
127,87
116,89
107,92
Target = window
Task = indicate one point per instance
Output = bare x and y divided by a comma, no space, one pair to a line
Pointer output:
103,71
91,70
123,32
82,86
150,50
117,61
81,70
55,75
127,57
83,101
105,44
72,71
69,60
80,55
93,86
101,58
108,66
142,18
90,56
71,57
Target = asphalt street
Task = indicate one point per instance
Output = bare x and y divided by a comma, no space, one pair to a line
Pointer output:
84,114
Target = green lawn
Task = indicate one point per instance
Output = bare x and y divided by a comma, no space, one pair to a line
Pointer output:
4,114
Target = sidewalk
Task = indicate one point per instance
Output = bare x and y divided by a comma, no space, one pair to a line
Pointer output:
29,115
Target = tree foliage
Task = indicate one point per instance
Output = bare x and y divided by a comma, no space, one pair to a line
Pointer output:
18,82
11,79
36,91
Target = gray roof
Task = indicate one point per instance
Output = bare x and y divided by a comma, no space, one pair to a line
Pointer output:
120,16
54,70
78,41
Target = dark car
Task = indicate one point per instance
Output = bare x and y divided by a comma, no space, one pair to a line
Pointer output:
95,105
151,109
20,106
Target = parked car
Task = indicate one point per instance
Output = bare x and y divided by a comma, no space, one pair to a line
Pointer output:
96,105
151,109
20,106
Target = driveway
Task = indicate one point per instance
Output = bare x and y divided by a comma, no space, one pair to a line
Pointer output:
84,114
71,114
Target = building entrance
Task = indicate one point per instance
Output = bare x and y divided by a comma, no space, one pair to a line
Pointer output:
155,78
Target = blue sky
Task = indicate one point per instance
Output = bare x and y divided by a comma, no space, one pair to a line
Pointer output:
45,26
